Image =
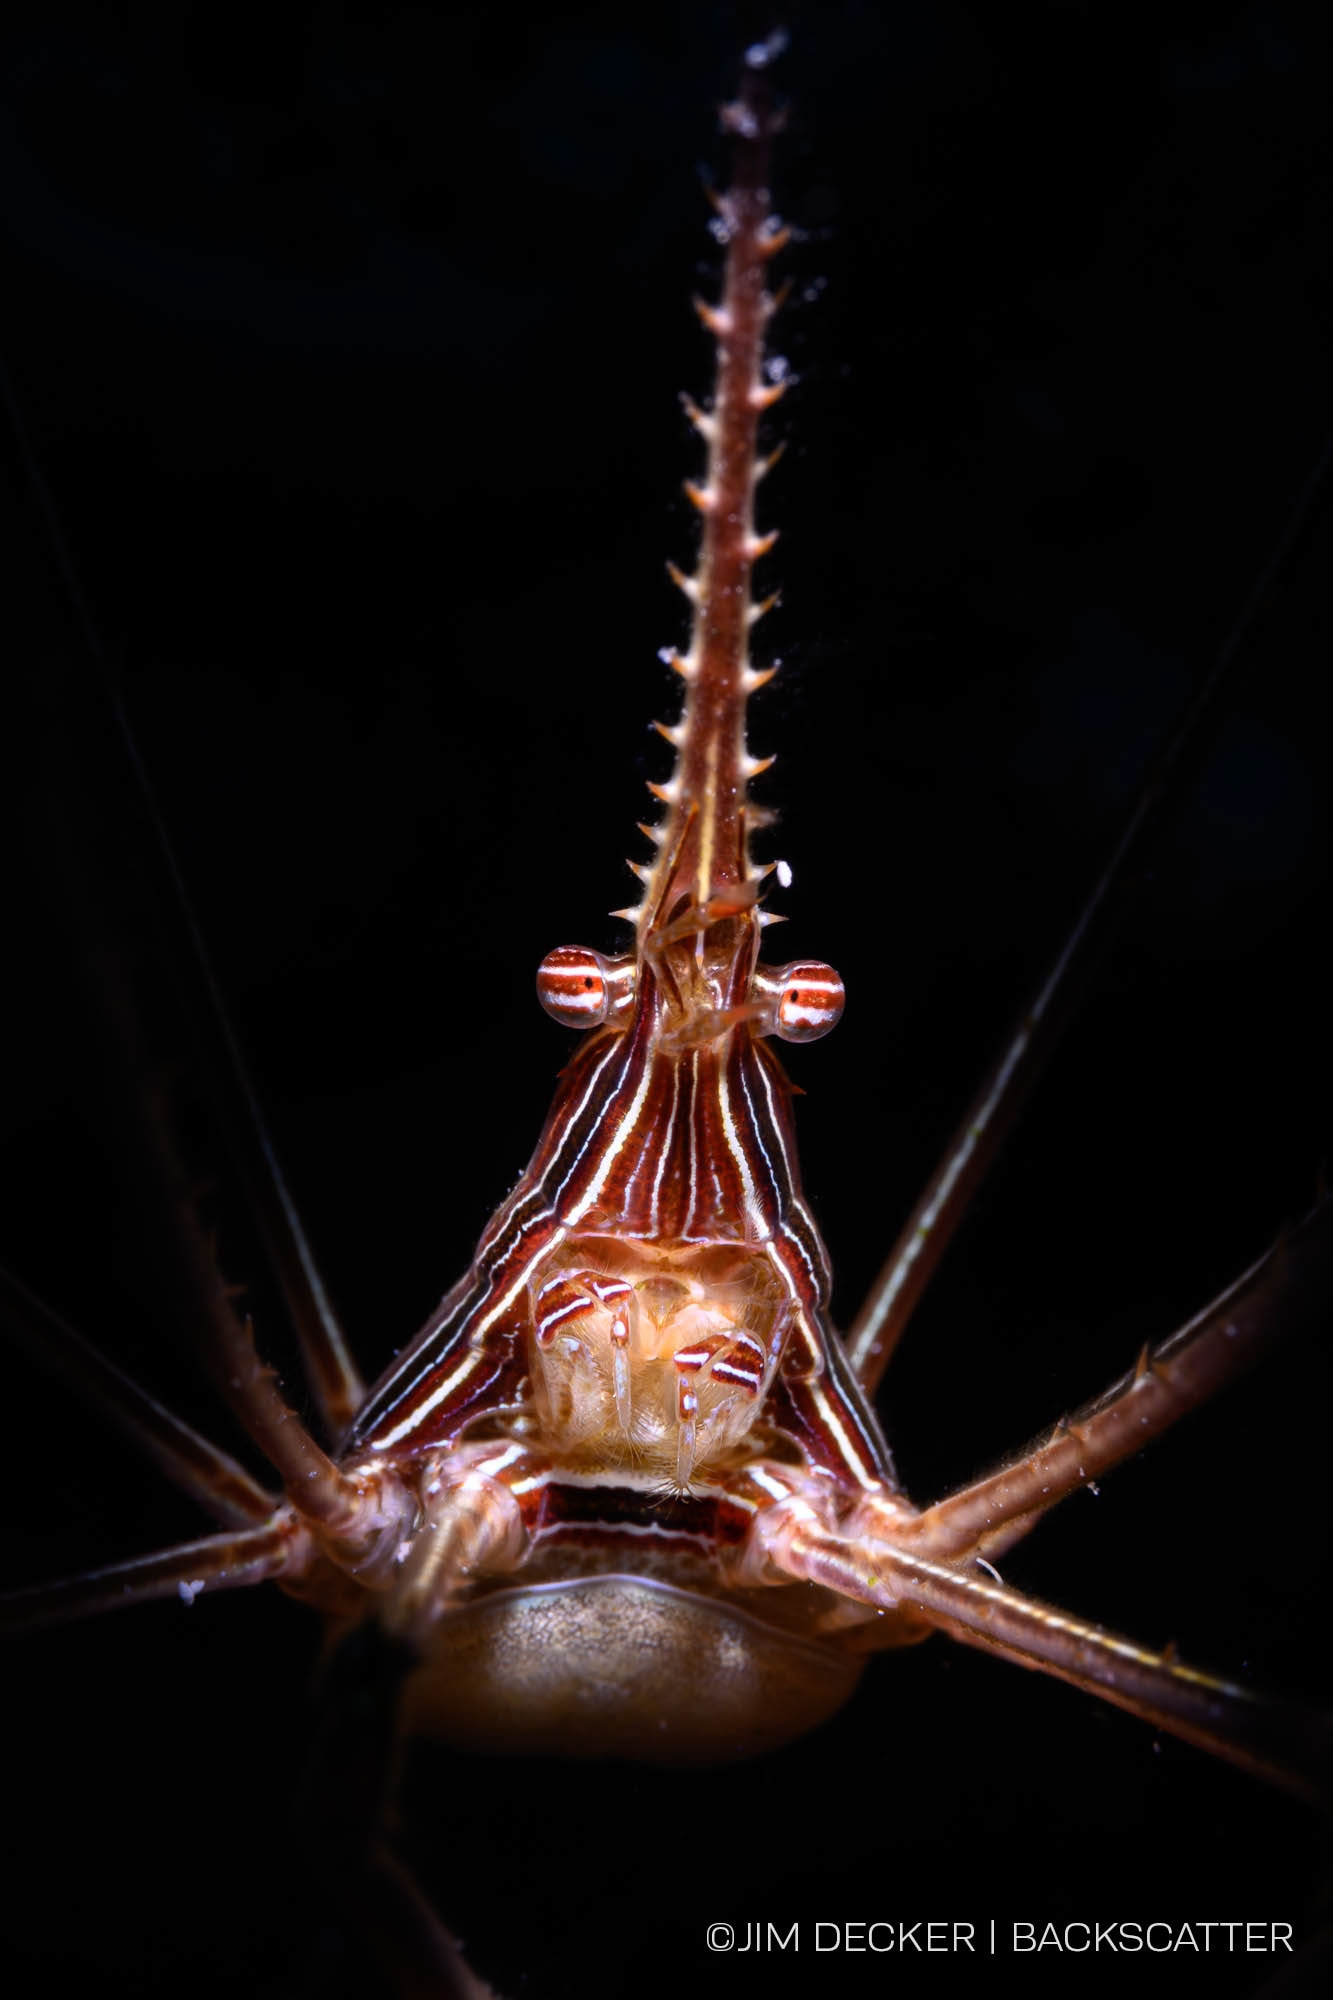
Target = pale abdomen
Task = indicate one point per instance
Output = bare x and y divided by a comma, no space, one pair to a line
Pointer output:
621,1666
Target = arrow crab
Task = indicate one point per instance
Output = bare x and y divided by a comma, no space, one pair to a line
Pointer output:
956,775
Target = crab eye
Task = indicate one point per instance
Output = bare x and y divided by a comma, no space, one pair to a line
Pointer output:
580,988
806,999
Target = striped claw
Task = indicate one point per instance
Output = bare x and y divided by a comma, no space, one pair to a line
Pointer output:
662,1364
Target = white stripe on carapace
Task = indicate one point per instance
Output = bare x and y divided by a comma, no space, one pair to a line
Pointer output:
494,1254
736,1144
665,1152
619,1139
469,1362
656,1530
474,1355
865,1468
692,1149
613,1049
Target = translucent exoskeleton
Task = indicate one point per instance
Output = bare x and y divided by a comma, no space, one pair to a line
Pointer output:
360,421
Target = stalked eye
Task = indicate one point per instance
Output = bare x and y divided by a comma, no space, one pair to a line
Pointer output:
581,989
800,1002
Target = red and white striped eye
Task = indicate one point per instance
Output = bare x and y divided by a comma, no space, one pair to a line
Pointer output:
580,988
801,1001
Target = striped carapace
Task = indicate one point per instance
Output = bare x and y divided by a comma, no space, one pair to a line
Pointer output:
629,1455
655,1282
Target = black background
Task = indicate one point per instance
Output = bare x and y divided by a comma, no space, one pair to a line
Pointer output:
348,342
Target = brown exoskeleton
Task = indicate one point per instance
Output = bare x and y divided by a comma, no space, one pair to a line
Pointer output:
863,868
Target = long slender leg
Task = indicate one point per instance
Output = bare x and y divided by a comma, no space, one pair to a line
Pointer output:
366,1919
358,1518
1292,1280
222,1488
990,1117
334,1379
1280,1740
281,1547
331,1371
1291,1745
423,1956
364,1514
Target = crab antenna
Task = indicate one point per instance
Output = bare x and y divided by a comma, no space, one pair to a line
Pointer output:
702,843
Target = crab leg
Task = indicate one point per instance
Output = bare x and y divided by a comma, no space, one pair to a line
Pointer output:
1281,1741
217,1562
209,1475
330,1368
357,1515
995,1109
989,1515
